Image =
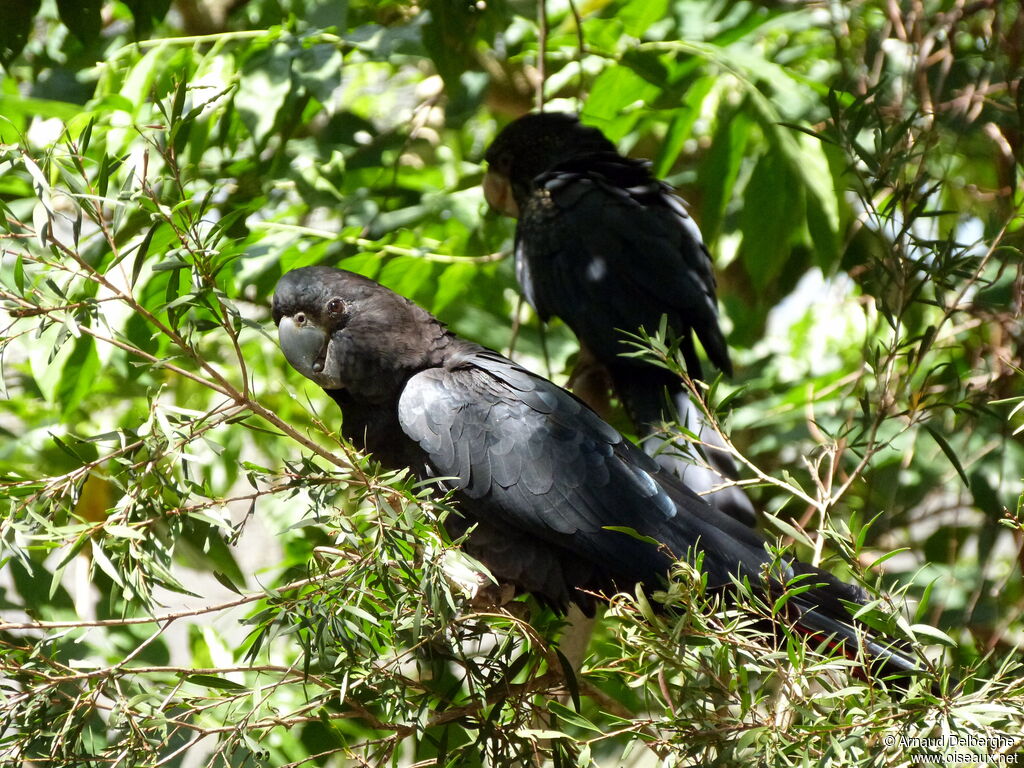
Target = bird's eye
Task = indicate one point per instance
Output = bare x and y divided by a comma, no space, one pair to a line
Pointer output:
503,163
300,318
335,306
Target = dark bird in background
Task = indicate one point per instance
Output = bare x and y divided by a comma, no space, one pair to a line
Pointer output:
544,486
610,249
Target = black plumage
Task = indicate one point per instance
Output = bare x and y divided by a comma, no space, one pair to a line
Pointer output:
540,478
610,249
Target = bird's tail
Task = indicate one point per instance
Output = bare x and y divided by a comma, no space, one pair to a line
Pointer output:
820,608
823,613
801,597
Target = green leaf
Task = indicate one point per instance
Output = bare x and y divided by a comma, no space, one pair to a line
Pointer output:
405,275
82,17
788,530
772,211
452,284
318,70
170,265
950,453
101,560
123,532
449,40
79,374
882,558
18,17
179,101
263,90
936,635
570,678
147,13
632,533
637,16
541,734
33,582
614,99
720,168
214,681
203,547
142,252
137,86
19,274
822,201
681,126
227,583
571,717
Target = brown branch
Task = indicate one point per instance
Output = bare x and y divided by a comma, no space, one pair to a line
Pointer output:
542,51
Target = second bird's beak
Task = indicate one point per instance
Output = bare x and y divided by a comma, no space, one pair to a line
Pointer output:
306,347
498,193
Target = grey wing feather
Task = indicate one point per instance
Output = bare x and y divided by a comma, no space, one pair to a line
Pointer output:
538,462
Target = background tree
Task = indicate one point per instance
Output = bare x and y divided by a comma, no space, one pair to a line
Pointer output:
197,571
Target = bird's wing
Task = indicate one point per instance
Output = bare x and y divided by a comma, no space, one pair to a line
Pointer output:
606,247
549,483
539,462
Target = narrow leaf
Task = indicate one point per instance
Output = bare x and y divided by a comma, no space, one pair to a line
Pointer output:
950,453
213,681
140,256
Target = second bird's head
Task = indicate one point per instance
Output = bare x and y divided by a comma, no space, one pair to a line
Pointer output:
529,146
345,331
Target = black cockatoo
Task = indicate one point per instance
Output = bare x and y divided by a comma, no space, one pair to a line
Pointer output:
610,249
552,496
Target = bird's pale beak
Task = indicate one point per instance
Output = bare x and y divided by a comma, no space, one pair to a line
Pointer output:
306,347
498,194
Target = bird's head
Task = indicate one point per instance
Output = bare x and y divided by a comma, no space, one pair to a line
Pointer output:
530,145
345,331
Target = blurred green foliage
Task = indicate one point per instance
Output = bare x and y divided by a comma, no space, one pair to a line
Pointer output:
196,570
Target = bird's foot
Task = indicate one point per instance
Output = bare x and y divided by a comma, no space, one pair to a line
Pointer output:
591,382
489,596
